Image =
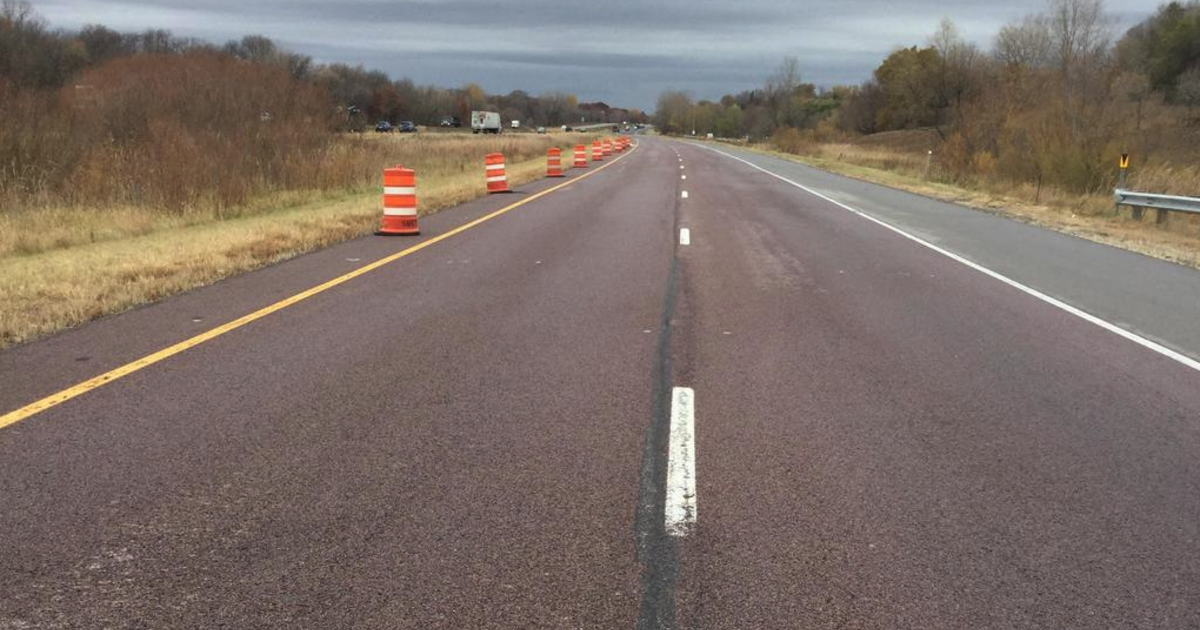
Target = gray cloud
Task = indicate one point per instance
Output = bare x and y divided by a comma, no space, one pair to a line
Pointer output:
621,51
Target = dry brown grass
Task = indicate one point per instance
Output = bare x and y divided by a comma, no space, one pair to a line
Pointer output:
60,267
1089,216
353,163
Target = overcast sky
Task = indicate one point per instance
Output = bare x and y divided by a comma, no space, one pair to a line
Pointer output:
624,52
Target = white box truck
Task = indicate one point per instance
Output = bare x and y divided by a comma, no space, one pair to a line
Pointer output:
485,122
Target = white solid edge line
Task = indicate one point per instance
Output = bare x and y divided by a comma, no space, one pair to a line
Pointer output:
680,512
685,236
1081,314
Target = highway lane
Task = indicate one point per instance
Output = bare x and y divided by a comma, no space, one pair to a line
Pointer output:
1154,299
451,441
887,438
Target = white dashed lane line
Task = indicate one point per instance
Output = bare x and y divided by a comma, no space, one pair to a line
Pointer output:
681,464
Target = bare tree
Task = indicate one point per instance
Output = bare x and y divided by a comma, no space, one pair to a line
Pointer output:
781,87
1025,44
1080,34
785,78
1081,39
958,72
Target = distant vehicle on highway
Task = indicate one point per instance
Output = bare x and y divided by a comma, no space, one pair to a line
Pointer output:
383,126
450,121
406,126
516,124
485,122
541,130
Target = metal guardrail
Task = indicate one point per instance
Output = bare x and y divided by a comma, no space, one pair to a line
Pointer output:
1157,202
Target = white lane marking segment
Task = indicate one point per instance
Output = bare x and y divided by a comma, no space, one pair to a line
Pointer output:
685,195
1055,302
685,236
683,177
681,464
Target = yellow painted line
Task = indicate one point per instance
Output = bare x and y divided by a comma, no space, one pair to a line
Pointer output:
74,391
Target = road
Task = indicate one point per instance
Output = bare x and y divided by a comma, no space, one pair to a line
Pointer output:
911,416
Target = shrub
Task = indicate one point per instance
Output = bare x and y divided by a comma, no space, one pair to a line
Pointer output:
179,132
790,140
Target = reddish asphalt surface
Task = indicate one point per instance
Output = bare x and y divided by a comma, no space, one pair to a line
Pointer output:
474,436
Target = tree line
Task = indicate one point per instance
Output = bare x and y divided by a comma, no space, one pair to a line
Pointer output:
1056,96
35,57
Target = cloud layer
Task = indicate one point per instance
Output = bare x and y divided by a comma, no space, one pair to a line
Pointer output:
621,51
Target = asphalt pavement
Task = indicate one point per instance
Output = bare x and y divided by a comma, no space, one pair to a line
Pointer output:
487,433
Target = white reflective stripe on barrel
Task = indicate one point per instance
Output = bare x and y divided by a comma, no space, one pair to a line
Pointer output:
498,178
495,167
399,190
399,212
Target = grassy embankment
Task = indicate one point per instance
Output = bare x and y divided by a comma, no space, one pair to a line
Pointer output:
898,159
62,265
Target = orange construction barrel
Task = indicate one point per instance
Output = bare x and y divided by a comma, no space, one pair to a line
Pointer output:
554,162
497,181
399,202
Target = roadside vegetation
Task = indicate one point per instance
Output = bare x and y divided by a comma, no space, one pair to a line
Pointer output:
1032,127
135,166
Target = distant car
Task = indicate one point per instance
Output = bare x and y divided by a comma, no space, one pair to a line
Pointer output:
541,130
406,126
450,121
383,126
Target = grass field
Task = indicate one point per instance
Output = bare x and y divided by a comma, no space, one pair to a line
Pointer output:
62,266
